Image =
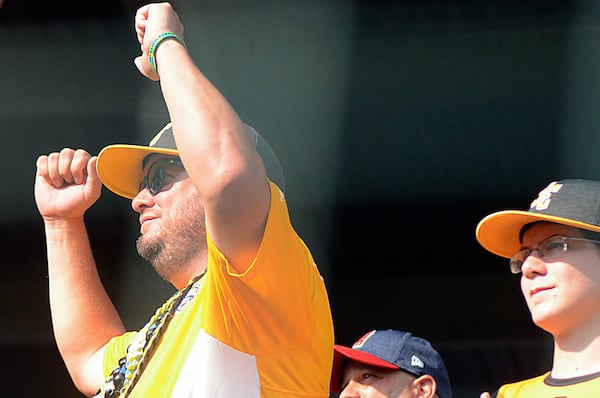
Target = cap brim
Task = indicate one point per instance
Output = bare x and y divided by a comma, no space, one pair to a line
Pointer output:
341,353
499,232
120,167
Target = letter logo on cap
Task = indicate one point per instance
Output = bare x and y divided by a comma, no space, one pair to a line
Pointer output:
545,196
360,342
159,134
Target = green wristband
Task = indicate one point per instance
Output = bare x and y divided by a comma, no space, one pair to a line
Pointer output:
154,46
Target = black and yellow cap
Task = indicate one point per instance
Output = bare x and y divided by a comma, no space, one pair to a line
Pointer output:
120,166
571,202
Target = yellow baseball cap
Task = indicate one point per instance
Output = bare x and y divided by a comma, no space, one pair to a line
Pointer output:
120,166
572,202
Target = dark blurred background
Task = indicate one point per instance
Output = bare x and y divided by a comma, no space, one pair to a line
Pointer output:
399,124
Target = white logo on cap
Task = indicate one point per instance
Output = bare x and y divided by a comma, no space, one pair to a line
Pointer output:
545,196
416,361
160,133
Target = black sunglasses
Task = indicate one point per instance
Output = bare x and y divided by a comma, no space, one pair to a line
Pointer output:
155,177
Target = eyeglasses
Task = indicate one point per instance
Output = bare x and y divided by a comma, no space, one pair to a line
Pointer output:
154,179
550,248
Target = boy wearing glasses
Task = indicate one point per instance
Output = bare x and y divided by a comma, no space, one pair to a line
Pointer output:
251,315
555,247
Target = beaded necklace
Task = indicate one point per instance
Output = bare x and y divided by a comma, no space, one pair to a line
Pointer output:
125,376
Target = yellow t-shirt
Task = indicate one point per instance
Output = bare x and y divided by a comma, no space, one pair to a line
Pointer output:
542,387
265,333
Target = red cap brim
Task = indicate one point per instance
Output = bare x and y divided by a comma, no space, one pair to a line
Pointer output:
342,353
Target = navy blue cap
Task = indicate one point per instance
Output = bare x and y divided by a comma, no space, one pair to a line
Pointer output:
396,350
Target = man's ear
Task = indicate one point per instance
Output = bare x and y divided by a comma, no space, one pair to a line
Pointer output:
425,386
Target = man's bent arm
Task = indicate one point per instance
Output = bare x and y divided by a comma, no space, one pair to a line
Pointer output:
83,316
212,140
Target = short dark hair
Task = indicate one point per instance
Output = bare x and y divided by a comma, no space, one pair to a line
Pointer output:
587,234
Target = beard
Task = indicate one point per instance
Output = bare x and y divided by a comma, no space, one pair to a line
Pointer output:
177,240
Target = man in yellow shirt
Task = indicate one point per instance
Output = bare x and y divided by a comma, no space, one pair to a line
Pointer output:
251,317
